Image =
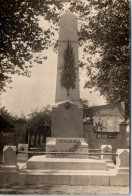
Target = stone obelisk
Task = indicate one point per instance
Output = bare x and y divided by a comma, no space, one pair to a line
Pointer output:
67,113
68,34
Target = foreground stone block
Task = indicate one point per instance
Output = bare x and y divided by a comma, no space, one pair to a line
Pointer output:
89,180
76,180
77,145
9,159
120,180
8,177
9,155
48,179
22,179
13,178
123,161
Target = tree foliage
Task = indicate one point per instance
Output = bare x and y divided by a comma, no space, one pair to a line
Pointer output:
21,34
109,31
87,110
104,33
7,115
40,120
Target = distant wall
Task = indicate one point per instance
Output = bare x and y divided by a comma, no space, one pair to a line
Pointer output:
112,117
122,140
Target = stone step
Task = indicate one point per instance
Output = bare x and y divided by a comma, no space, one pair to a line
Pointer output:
123,170
108,160
111,165
9,168
70,172
70,177
41,162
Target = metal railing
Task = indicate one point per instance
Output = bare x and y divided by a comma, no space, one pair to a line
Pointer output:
69,153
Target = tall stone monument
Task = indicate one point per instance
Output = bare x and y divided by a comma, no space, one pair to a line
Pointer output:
67,113
66,160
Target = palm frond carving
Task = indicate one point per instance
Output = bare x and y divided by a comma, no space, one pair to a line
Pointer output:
68,75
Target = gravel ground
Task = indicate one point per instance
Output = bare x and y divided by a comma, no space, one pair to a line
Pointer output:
64,189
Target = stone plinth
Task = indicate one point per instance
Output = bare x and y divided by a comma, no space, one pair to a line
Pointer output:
20,156
106,149
67,121
69,145
57,164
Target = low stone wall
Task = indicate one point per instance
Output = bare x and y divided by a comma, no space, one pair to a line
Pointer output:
121,141
10,173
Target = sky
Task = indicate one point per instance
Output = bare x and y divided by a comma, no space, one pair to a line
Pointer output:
39,90
27,94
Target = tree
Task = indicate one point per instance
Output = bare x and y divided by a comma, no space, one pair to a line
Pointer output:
40,121
87,111
21,35
7,115
109,31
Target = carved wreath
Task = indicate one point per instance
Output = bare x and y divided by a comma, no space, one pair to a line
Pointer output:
68,75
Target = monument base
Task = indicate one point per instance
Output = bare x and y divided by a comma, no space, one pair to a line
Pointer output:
56,164
9,168
66,146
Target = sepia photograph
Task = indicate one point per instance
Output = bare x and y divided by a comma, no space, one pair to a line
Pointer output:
65,97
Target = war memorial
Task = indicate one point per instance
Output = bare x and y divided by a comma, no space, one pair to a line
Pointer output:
68,160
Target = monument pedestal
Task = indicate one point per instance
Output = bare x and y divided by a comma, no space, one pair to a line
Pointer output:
68,164
66,145
67,120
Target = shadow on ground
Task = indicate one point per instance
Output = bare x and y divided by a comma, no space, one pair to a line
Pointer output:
63,189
